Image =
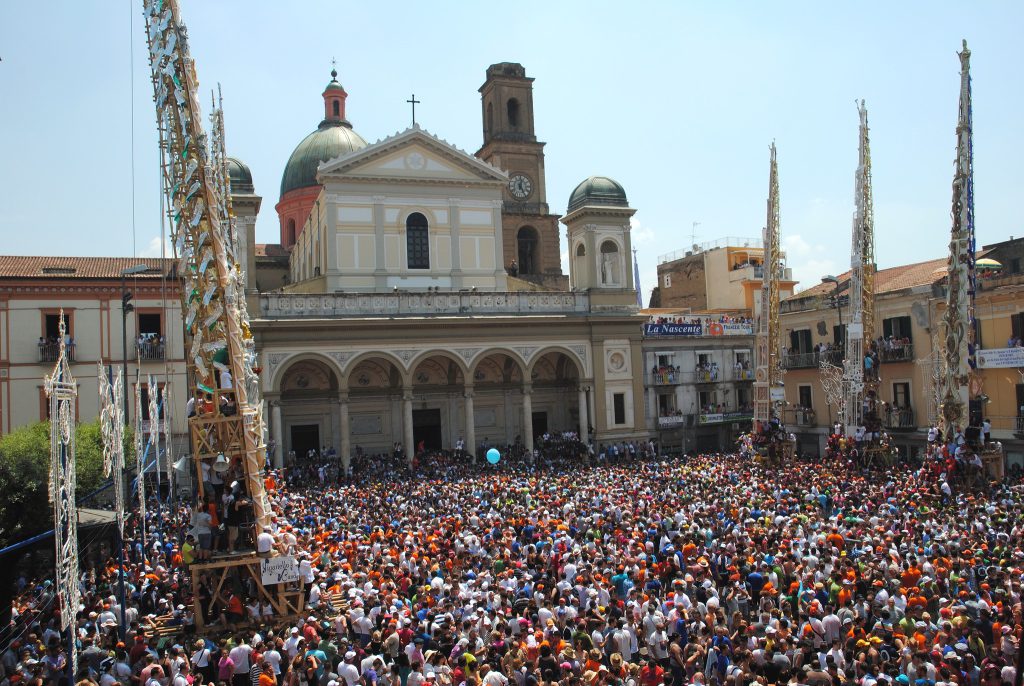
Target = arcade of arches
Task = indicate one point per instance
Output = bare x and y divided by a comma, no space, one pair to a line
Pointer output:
375,401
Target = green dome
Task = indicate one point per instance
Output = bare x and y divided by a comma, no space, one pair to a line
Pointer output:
331,139
241,177
334,85
598,190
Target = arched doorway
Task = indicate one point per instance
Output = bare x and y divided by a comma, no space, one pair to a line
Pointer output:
373,407
438,387
558,404
498,381
309,393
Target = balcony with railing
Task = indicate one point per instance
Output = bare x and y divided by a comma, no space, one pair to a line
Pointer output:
800,416
808,360
150,350
743,374
897,352
713,375
49,351
665,378
895,419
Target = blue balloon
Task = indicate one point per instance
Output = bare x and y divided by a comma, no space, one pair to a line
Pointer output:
493,456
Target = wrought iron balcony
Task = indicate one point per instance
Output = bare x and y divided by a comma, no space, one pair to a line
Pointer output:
800,360
898,420
708,375
49,352
150,350
798,416
901,352
665,378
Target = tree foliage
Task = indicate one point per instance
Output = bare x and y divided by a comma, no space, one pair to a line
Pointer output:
25,508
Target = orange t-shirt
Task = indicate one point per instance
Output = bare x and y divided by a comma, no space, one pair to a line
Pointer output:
267,679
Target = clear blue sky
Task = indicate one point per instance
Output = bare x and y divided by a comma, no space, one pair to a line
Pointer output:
677,101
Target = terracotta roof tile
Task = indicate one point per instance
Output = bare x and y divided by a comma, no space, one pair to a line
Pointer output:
271,250
28,267
887,280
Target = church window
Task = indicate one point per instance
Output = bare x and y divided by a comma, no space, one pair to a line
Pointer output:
513,113
290,235
581,250
336,108
417,241
528,243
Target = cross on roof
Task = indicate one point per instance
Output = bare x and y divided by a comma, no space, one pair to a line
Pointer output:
414,102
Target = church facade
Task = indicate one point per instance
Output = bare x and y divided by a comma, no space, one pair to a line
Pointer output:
423,299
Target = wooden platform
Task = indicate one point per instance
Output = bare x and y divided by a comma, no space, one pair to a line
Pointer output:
288,600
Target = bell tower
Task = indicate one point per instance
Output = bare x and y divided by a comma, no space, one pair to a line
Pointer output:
529,230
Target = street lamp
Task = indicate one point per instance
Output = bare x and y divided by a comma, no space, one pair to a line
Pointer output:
836,302
126,307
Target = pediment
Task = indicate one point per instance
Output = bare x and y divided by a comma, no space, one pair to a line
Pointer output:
414,155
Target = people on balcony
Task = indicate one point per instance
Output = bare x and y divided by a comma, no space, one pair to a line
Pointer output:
706,371
150,346
49,347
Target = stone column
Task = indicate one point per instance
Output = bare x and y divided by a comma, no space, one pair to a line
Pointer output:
380,269
528,417
500,277
345,449
470,422
584,415
455,233
276,431
407,437
591,410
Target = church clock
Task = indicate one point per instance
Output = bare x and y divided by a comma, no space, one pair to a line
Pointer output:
520,186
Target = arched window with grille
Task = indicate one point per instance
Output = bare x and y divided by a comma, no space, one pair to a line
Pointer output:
512,110
528,244
417,241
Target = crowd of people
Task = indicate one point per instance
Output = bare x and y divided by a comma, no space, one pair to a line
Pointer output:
635,571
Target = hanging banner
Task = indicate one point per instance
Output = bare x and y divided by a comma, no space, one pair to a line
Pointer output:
737,329
1000,358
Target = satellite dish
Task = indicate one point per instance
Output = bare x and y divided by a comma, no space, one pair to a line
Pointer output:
822,328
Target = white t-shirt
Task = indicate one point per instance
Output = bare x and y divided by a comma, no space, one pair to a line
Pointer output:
264,542
240,656
274,658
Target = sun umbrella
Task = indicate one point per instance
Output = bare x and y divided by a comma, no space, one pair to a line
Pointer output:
987,263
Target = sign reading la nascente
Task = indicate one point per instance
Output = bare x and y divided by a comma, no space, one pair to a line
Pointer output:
698,329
